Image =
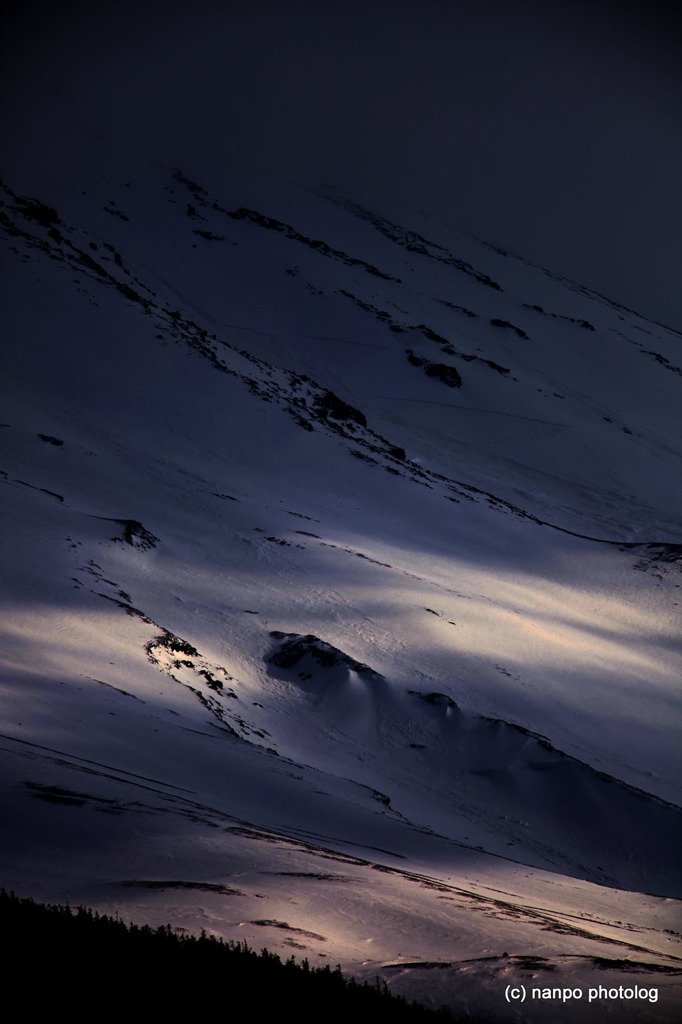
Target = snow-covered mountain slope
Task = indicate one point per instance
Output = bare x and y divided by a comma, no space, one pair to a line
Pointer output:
333,535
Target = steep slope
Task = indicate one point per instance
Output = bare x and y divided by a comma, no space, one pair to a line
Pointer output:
327,538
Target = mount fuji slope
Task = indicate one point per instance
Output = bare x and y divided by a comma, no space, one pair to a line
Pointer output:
340,590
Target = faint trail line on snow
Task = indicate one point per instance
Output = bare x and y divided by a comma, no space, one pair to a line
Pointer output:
346,341
471,408
98,764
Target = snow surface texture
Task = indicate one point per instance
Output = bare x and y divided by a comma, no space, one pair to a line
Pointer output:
340,592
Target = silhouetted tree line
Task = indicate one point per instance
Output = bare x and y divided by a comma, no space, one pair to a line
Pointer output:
75,958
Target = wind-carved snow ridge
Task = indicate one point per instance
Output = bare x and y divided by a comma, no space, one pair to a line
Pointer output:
340,590
465,761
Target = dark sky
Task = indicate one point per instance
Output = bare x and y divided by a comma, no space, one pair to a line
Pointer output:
549,128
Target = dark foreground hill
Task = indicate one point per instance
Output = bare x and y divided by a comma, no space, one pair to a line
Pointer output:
77,954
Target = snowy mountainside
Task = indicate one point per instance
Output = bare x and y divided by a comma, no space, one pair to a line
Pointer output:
333,535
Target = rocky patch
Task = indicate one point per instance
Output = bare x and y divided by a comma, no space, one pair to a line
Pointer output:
294,647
